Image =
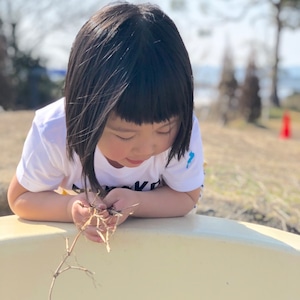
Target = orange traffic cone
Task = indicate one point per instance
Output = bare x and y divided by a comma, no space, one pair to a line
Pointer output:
286,126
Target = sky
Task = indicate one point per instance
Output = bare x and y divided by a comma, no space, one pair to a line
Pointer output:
207,49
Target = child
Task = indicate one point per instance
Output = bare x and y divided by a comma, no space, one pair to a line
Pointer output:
124,136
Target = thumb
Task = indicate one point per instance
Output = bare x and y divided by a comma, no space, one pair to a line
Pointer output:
111,198
100,205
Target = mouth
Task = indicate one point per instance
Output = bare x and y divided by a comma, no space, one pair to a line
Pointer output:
135,162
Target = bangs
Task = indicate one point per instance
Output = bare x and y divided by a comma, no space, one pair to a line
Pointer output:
159,80
154,95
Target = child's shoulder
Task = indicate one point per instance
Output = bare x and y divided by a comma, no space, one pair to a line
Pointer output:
50,120
52,111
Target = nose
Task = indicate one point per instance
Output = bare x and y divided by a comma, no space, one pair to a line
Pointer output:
145,148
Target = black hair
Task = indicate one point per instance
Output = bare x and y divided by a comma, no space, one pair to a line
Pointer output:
129,59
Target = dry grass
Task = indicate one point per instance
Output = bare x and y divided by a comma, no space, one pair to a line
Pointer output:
13,130
251,174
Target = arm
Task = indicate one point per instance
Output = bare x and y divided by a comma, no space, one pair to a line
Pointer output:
40,206
51,206
165,202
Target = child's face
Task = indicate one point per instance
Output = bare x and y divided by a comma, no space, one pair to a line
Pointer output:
127,144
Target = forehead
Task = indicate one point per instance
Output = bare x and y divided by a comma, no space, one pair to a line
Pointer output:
117,123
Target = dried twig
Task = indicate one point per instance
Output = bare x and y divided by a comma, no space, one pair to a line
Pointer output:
63,266
105,235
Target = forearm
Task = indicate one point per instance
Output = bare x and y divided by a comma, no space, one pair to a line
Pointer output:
165,202
43,206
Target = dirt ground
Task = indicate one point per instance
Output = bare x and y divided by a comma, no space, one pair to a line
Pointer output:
251,174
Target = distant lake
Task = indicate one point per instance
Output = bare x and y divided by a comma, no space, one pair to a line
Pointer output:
207,79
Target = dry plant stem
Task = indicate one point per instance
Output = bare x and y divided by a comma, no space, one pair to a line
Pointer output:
59,269
100,221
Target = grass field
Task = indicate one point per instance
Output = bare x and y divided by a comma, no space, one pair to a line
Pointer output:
251,173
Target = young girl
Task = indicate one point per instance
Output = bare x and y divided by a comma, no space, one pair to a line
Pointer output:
124,136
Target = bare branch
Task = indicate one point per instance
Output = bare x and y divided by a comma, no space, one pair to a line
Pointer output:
102,228
224,17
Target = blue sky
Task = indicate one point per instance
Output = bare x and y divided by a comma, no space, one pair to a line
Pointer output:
209,49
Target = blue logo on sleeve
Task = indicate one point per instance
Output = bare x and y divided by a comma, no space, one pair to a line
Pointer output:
191,157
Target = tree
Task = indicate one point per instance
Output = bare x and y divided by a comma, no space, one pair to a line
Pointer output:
283,14
286,15
6,91
26,26
250,100
32,84
227,88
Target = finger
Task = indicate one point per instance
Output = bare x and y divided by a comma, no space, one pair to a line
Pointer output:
94,238
80,218
112,221
110,200
91,233
96,202
98,217
81,200
100,205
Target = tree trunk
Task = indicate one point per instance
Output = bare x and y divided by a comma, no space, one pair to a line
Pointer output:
274,99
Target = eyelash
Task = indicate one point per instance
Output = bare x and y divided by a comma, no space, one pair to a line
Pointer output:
124,139
129,138
165,133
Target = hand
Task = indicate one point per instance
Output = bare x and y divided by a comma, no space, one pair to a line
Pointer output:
92,218
122,201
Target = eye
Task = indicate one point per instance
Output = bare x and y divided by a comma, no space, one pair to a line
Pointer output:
164,132
124,138
167,130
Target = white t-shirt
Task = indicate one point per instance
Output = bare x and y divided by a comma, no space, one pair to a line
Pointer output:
44,164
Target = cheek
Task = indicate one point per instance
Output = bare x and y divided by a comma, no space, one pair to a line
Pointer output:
117,152
170,141
163,144
111,148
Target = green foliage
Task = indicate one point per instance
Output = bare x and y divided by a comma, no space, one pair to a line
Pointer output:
228,85
250,100
290,13
24,83
33,86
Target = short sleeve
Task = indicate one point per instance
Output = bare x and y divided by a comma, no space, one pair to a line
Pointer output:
40,167
187,174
